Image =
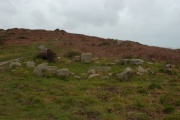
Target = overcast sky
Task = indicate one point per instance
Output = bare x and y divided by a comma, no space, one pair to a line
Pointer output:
151,22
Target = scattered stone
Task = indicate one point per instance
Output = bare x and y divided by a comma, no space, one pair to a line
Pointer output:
97,62
30,64
100,69
77,77
141,69
51,69
92,71
132,61
76,58
58,58
42,48
105,77
15,64
110,74
39,70
62,73
86,57
126,75
169,66
93,75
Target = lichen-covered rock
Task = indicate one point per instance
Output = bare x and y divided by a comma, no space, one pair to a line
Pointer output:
15,64
126,75
30,64
62,73
86,57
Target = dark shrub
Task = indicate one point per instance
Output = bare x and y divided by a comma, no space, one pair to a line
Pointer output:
48,55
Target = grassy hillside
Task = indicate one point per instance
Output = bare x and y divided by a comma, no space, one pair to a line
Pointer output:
24,96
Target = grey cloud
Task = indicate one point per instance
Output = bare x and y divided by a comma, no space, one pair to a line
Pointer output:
152,22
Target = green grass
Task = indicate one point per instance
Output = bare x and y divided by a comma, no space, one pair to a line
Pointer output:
27,97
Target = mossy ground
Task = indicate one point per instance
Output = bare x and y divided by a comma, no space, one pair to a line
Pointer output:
23,96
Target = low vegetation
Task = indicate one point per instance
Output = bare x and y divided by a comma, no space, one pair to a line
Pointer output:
153,95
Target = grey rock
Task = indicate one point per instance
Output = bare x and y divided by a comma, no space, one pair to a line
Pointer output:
42,48
39,70
126,75
92,71
141,69
51,69
77,77
93,75
86,57
62,73
132,61
30,64
15,64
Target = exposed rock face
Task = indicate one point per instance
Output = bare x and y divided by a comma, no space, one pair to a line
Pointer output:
100,69
15,64
51,69
126,75
62,73
39,70
30,64
93,75
132,61
86,57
